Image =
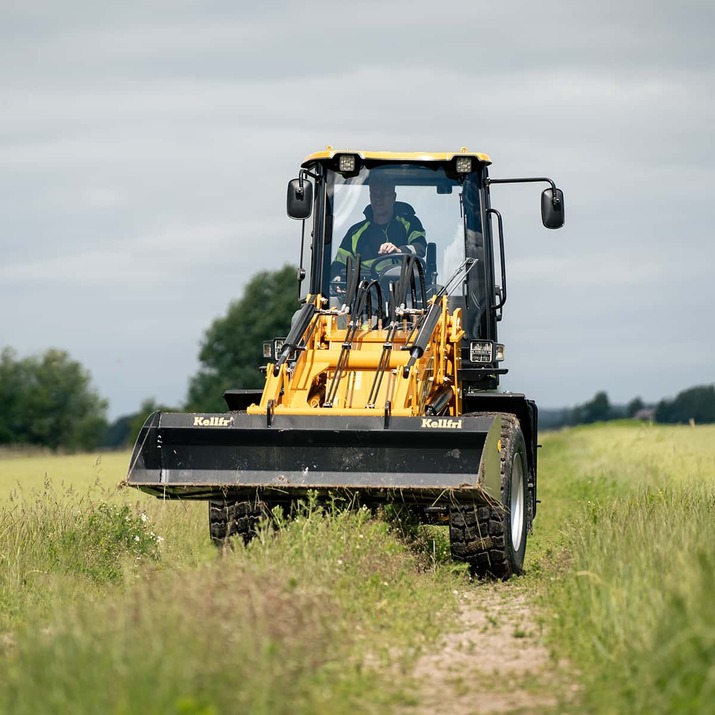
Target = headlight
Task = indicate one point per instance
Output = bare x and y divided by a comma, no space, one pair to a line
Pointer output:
278,344
272,350
481,351
485,351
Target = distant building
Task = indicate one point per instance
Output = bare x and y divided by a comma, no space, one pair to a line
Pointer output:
647,414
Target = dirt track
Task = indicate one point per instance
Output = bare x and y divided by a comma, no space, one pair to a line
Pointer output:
494,662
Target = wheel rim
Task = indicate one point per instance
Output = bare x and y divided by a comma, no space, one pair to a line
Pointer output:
517,503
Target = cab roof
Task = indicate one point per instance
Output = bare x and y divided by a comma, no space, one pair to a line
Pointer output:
409,156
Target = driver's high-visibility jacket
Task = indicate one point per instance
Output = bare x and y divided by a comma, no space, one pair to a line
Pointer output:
365,238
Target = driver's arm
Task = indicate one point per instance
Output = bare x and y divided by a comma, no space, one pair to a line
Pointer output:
345,250
416,238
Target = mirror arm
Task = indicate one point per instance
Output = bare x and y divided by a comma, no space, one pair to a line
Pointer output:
556,201
304,173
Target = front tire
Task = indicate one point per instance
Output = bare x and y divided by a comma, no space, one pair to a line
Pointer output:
491,538
233,517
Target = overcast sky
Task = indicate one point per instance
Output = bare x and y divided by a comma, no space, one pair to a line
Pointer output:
145,148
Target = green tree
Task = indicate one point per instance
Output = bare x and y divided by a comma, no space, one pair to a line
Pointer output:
597,410
695,403
231,351
48,400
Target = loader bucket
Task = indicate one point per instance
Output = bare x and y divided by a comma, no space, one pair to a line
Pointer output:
411,459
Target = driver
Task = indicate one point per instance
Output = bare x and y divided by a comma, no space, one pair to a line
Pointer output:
390,226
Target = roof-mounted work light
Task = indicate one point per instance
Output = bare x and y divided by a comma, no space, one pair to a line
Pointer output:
463,164
347,163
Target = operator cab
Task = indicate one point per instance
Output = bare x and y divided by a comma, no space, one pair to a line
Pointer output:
433,199
445,198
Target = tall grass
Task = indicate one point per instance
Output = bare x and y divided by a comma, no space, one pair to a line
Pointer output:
108,604
633,609
64,543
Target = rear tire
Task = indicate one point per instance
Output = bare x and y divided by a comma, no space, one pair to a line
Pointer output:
233,517
492,538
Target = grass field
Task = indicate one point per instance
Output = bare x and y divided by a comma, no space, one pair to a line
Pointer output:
632,603
111,601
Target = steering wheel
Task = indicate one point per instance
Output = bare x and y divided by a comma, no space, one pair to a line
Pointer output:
384,268
385,264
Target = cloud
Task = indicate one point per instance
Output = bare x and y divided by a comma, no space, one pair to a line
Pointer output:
145,148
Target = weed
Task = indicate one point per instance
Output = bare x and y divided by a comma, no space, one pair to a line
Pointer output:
47,538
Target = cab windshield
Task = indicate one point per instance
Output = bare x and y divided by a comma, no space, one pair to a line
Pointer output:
388,211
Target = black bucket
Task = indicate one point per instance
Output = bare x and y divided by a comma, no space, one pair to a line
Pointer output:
233,454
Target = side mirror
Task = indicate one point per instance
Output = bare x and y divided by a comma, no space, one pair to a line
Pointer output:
552,208
300,199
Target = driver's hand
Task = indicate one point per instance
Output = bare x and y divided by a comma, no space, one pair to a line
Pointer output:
388,248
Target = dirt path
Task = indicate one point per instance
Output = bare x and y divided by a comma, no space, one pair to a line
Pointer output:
493,662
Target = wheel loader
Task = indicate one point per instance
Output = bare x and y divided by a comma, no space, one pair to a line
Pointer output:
385,388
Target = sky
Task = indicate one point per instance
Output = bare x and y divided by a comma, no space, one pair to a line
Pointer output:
145,149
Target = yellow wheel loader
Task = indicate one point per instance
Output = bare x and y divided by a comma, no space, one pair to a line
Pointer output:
385,388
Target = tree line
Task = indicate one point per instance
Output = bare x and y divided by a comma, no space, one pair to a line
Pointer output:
48,400
694,405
